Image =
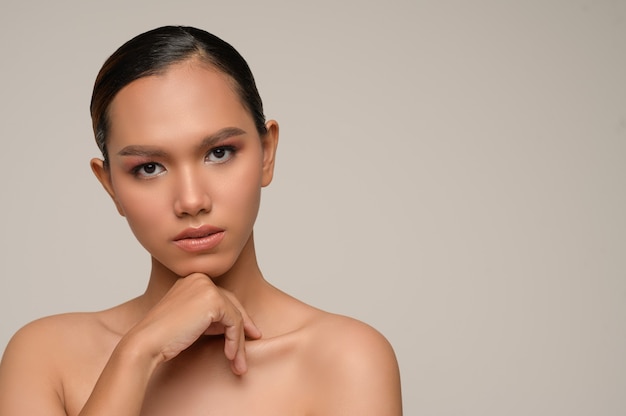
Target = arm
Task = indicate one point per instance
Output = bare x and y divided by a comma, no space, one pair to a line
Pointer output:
31,372
35,363
27,383
122,385
193,307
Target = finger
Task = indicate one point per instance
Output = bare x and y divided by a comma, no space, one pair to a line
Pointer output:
240,364
234,348
249,327
232,321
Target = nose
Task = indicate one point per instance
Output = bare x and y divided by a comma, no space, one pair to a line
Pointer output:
192,195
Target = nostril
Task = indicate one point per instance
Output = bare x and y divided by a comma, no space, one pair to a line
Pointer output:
192,207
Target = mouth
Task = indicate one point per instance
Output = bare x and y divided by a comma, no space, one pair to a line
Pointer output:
198,239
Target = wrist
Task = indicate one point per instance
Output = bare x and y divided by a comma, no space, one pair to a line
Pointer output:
134,350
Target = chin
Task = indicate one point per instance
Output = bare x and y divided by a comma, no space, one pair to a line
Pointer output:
212,268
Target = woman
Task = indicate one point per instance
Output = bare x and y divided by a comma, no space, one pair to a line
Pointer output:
186,151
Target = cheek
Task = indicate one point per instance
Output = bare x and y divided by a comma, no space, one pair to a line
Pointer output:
142,211
238,195
243,191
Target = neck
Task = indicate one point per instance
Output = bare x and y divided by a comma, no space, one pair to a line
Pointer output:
244,280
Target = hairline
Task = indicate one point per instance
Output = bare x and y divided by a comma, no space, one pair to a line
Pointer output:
196,57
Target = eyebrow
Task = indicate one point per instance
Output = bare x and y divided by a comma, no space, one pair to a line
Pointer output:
209,141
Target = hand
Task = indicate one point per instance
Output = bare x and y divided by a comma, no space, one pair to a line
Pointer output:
193,307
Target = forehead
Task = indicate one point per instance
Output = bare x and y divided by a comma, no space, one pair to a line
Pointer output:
188,98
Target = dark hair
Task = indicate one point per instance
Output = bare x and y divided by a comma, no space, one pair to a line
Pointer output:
151,53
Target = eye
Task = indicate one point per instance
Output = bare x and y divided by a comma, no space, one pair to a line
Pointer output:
148,170
220,154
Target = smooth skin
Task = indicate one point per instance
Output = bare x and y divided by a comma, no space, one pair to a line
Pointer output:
210,335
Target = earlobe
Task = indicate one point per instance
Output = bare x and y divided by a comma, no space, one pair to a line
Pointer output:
104,177
270,143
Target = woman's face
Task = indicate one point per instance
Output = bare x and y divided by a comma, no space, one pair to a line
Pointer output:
186,167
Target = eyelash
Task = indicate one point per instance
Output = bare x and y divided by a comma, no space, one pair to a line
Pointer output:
136,171
228,151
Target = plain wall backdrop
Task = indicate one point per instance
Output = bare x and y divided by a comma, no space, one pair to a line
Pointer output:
451,172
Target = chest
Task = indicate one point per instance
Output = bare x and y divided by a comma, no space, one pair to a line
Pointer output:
200,382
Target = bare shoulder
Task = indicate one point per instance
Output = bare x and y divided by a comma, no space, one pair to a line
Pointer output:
65,331
51,325
49,344
42,355
71,332
355,367
46,333
344,337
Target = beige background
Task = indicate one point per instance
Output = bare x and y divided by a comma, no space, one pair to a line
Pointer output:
451,172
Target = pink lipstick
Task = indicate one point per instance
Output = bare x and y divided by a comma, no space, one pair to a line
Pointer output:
199,239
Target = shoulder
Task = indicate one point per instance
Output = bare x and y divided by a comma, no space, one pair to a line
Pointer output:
47,331
49,339
38,357
70,332
57,345
354,366
333,333
56,329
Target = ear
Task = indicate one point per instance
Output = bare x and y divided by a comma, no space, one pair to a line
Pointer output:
269,142
104,177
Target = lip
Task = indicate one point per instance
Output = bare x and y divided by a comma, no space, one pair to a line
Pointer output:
198,239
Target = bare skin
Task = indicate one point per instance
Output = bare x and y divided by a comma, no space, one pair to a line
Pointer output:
210,335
